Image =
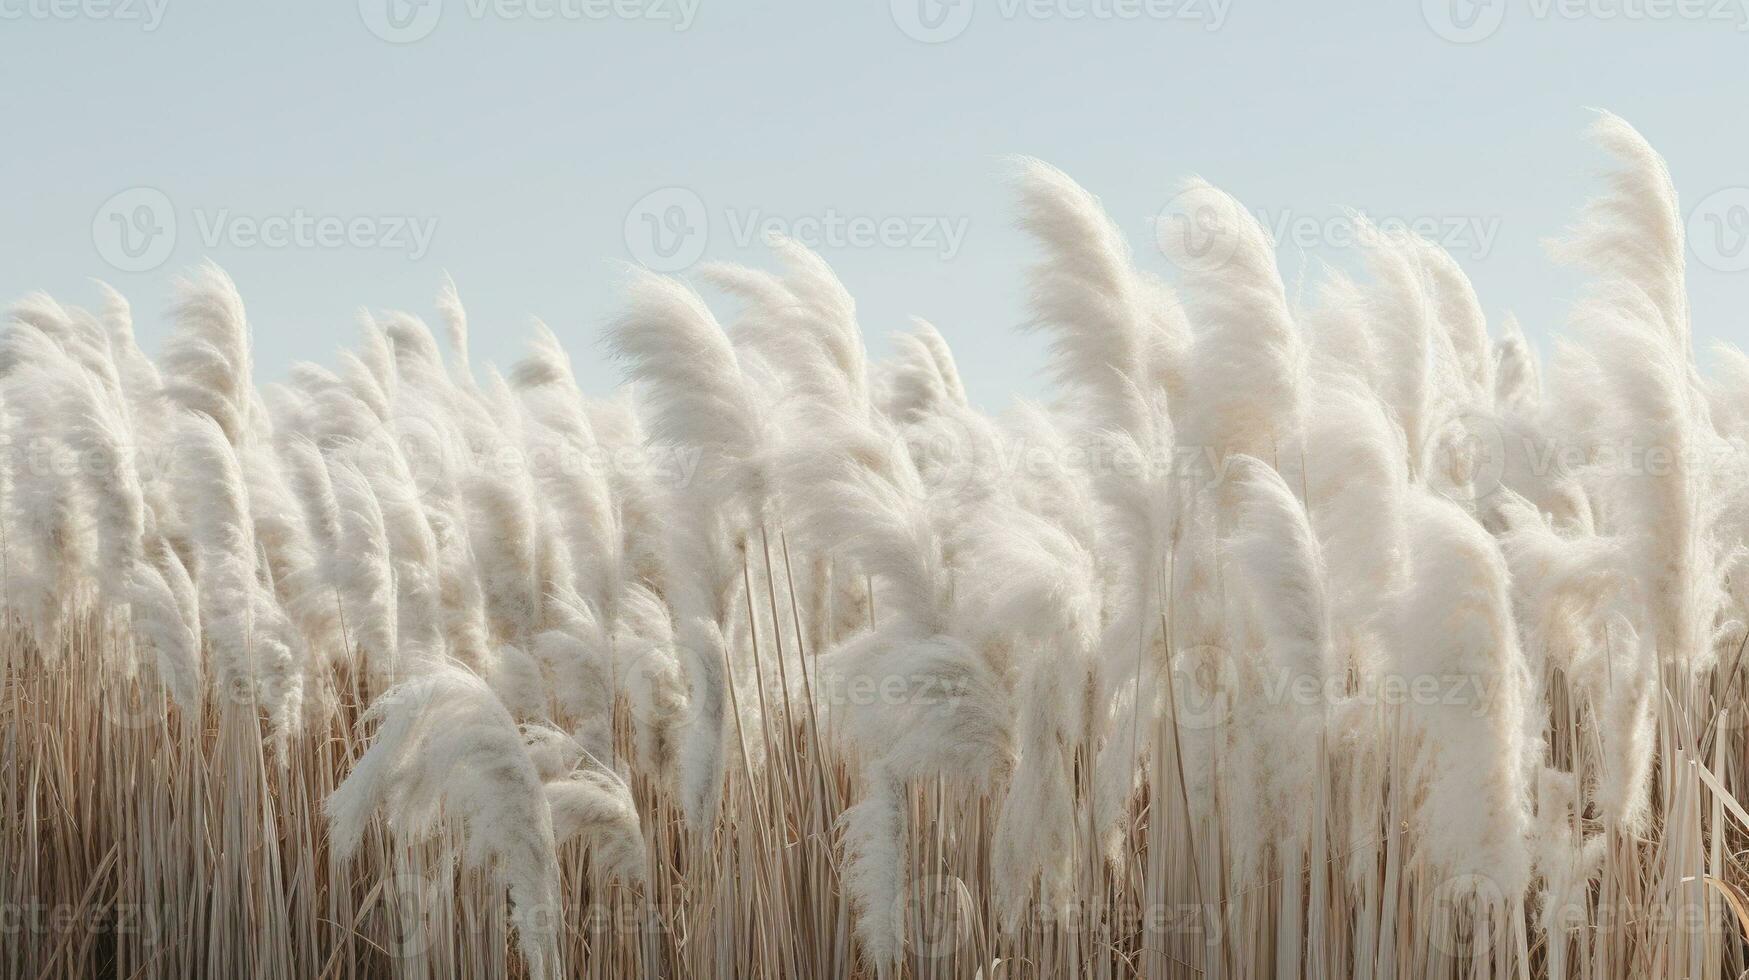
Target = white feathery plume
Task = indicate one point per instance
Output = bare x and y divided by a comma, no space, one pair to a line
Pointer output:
252,654
1356,482
289,561
692,381
874,868
1120,771
1140,489
1463,325
95,428
1044,608
596,808
207,364
1623,700
48,542
853,491
504,534
944,711
1087,295
569,473
412,544
1635,234
363,570
516,680
161,597
417,359
644,647
922,380
1247,359
127,560
545,364
139,376
1564,587
583,683
639,479
1401,314
1338,325
1566,861
1658,482
309,483
1470,778
1169,337
1284,659
325,409
1139,492
77,333
455,327
1034,837
803,324
1518,385
1056,482
370,373
448,755
554,753
704,653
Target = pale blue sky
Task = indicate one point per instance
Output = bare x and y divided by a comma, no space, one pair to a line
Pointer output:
523,146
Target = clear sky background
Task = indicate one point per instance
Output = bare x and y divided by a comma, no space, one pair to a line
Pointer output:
339,154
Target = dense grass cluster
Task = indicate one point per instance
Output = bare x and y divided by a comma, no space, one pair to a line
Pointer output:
1335,636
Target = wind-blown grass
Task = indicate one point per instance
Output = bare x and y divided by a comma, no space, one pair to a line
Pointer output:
1328,637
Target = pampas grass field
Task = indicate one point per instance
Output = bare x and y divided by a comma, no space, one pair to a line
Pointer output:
1317,632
